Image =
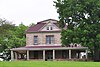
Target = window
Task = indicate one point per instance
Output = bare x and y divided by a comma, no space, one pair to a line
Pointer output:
49,28
50,39
35,40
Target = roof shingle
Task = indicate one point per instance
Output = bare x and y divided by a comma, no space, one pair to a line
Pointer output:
35,28
39,25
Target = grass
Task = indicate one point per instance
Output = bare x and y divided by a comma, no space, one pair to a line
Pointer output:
49,64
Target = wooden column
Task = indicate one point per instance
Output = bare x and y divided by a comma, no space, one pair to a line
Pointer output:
27,55
44,55
16,55
86,53
69,54
53,54
12,55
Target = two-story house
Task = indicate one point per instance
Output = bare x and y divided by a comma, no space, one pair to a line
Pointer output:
43,43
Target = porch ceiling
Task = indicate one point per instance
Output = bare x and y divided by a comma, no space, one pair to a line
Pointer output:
49,48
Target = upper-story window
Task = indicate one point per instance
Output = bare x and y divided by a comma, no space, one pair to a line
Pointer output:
50,39
49,28
35,40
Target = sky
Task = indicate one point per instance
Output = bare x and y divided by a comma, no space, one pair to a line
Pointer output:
27,11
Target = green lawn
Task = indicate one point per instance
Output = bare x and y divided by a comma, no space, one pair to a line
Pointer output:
49,64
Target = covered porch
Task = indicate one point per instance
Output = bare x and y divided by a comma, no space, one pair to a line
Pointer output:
48,53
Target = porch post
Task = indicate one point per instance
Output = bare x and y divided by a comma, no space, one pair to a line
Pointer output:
12,55
69,54
86,53
43,54
16,55
53,54
27,55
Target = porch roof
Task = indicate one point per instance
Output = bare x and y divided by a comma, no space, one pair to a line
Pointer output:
48,48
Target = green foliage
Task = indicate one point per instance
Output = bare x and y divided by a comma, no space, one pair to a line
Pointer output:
11,36
83,19
20,30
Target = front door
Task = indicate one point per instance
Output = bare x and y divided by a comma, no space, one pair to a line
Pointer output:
49,55
36,54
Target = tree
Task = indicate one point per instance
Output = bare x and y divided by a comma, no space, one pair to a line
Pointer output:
21,30
6,29
11,36
83,19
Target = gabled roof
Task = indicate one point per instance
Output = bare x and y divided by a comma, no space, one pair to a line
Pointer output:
35,28
47,20
39,25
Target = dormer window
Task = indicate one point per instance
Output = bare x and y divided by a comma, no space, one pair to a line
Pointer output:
49,28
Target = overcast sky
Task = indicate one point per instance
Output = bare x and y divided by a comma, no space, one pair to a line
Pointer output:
27,11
